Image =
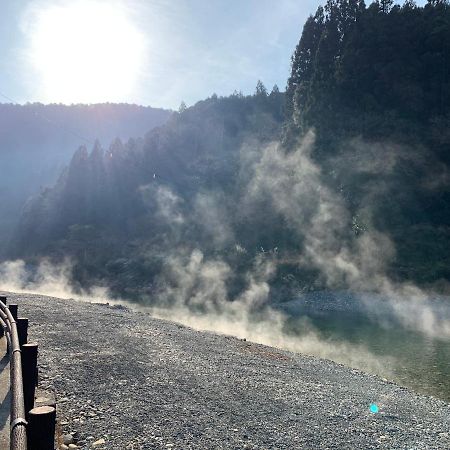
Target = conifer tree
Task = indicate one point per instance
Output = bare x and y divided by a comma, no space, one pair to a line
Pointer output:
385,5
260,89
275,89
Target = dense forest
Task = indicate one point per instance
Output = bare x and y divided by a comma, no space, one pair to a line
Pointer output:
382,74
37,141
120,212
338,182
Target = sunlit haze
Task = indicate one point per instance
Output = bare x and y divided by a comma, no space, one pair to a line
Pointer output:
149,52
85,52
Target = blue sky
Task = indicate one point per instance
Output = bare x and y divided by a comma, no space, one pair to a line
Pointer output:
181,49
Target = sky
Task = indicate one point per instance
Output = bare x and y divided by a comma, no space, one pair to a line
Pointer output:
149,52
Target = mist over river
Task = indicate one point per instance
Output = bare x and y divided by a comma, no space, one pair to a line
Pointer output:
402,339
411,357
405,341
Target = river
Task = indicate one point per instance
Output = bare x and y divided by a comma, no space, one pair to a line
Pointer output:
411,356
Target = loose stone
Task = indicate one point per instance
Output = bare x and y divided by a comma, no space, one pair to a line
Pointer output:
67,439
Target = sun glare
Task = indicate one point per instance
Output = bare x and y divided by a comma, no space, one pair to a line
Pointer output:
85,52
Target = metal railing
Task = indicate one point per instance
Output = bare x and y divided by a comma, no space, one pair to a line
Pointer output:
31,427
18,439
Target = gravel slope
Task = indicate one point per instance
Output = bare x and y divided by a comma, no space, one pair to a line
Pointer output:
143,383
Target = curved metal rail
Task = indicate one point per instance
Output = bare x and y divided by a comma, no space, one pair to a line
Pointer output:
18,439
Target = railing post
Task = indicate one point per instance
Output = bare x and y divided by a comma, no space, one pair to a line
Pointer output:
18,434
41,428
3,300
22,330
29,374
13,308
18,430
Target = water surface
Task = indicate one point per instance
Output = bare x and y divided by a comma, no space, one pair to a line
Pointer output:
409,357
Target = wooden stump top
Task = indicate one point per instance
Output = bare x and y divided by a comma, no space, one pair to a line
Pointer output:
42,410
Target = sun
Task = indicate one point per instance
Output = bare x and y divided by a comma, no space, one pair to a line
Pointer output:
84,52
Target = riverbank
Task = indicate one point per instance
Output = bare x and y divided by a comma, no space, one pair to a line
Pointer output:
124,380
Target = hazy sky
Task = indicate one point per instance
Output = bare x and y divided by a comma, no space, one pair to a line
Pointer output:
151,52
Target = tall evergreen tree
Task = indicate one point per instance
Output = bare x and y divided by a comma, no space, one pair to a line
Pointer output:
385,5
302,65
260,89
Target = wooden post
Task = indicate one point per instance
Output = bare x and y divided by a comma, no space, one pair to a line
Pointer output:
22,330
41,428
13,308
29,374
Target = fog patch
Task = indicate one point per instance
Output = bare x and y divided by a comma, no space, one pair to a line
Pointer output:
169,205
193,291
210,214
46,278
359,262
412,308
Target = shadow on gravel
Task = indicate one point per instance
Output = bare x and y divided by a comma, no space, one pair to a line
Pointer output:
5,392
4,409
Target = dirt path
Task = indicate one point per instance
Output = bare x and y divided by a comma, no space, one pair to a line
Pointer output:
5,397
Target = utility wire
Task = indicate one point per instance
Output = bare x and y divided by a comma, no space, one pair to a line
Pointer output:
7,98
57,124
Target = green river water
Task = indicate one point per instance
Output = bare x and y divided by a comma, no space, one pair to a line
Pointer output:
409,358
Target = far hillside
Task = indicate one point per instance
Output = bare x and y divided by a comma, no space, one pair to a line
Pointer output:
37,141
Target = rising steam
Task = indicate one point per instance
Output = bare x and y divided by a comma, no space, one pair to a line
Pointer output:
194,289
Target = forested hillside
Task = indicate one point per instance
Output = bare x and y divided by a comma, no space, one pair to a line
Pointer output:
118,212
37,141
340,182
381,74
376,72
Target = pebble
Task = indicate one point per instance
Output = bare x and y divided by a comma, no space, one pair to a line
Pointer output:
99,442
67,439
73,446
63,447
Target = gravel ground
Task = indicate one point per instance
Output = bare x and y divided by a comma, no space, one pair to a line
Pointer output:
124,380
